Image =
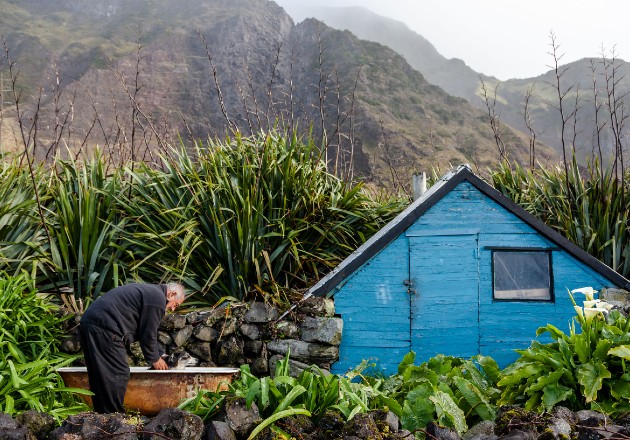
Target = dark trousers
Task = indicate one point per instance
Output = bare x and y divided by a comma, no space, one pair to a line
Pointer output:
107,368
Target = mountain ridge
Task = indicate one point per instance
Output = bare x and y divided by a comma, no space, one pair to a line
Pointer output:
363,100
456,78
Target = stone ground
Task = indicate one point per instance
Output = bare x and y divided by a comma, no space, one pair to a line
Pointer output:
236,422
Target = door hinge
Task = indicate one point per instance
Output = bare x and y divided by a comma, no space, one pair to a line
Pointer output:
410,289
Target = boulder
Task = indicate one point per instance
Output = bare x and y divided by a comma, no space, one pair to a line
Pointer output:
205,333
175,424
590,418
309,353
11,430
362,426
230,351
92,426
164,337
217,430
202,350
181,336
253,348
227,327
173,321
324,330
316,306
250,331
481,431
287,330
261,313
214,316
521,434
38,423
260,367
240,419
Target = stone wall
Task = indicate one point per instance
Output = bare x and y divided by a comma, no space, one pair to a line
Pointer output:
250,333
617,297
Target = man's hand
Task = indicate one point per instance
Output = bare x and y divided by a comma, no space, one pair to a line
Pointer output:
160,365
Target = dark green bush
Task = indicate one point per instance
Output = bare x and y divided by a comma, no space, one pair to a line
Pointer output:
248,216
30,337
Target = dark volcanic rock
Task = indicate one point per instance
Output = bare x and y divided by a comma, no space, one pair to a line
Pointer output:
175,424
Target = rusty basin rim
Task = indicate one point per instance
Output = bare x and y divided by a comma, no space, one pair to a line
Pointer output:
187,370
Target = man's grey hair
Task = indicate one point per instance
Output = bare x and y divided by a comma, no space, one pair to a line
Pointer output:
178,289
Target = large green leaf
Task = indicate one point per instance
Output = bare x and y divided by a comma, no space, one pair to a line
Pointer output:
555,393
448,413
591,376
622,351
620,389
418,410
490,368
475,398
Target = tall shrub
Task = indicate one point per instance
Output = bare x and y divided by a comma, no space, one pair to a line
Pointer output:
592,211
22,238
86,227
251,214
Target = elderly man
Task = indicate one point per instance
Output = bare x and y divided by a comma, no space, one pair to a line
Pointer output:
128,313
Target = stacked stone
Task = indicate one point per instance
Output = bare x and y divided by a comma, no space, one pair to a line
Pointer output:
250,333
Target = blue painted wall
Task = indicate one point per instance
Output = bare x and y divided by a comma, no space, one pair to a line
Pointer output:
430,289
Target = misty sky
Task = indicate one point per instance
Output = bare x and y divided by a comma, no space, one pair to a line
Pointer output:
507,38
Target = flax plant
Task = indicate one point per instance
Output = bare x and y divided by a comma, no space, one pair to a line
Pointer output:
247,216
22,239
86,225
592,212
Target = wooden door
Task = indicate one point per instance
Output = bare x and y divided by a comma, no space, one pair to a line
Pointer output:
444,295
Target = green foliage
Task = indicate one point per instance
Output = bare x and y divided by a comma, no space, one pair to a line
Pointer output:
582,369
21,236
30,335
592,211
85,225
246,216
452,391
249,216
205,404
312,391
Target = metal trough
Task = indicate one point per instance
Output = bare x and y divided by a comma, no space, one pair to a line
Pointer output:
150,391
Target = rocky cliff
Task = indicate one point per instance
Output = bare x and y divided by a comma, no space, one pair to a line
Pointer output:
147,72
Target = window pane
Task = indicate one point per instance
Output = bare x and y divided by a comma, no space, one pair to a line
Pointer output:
522,275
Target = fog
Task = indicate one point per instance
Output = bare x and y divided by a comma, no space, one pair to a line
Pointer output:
503,38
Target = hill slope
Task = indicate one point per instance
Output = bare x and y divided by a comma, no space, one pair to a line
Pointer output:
142,72
456,78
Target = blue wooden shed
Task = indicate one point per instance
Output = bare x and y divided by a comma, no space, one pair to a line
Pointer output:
462,271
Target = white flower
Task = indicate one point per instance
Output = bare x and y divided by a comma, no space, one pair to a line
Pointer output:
604,305
579,311
592,303
591,312
588,292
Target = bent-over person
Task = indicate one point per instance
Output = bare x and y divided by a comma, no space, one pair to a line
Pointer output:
128,313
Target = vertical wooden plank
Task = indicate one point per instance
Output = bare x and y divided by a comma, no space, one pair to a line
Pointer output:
374,305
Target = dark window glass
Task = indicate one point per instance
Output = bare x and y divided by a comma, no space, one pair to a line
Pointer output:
522,275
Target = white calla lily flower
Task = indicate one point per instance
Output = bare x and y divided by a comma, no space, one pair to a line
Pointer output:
579,311
592,303
591,312
604,305
588,292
